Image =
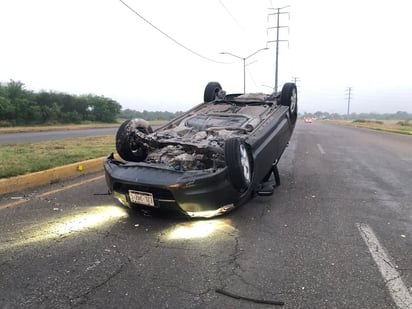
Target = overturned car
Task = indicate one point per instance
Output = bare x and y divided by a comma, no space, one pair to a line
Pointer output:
207,161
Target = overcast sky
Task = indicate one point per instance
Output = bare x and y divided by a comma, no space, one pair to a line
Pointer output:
102,47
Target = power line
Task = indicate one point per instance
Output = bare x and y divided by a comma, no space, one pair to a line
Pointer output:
231,15
169,37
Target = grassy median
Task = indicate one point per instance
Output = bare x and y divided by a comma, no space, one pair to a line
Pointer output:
24,158
393,126
57,128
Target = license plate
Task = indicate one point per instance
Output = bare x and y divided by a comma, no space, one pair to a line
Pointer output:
142,198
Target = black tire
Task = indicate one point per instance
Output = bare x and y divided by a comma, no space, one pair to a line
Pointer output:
211,91
123,143
289,97
239,164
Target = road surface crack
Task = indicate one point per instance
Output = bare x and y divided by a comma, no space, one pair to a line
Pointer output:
80,299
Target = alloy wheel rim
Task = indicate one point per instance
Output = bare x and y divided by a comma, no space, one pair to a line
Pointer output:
244,161
293,101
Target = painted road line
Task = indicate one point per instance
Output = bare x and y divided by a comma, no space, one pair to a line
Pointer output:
393,280
15,203
320,149
47,193
70,186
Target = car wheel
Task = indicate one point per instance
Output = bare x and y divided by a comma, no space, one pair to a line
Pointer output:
239,163
211,91
289,97
123,141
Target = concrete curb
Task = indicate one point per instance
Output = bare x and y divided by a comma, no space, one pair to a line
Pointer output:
18,183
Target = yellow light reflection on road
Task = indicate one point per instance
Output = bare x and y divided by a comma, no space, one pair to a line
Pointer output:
98,216
90,218
199,229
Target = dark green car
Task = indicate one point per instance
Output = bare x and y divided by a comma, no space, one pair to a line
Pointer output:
207,161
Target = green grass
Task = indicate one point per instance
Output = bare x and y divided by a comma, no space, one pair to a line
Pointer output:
58,127
393,126
24,158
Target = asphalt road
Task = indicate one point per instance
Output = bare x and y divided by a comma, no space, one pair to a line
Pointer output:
337,233
12,138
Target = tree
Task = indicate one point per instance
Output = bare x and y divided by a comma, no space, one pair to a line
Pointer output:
6,109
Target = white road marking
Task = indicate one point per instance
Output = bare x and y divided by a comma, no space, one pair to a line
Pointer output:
394,283
320,149
76,184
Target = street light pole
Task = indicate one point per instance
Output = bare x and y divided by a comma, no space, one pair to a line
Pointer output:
244,75
244,64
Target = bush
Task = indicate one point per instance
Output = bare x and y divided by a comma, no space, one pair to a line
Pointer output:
22,107
367,121
405,123
5,124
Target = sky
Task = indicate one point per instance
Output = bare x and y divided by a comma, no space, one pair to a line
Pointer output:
161,56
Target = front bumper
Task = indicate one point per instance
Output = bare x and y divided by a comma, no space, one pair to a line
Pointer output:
200,193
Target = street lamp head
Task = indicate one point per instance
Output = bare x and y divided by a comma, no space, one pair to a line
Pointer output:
227,53
265,48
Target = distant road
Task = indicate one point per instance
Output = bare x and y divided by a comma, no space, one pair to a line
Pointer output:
12,138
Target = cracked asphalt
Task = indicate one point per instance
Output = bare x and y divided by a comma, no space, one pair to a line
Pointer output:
78,248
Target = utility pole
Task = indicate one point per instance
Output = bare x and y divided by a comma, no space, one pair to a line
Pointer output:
349,94
277,27
295,79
